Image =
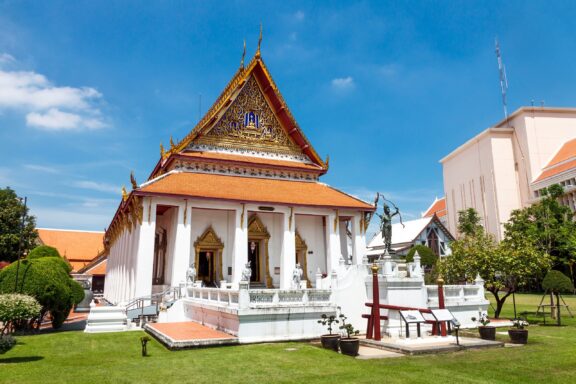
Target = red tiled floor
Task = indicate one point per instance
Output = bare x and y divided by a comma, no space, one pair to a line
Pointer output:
188,330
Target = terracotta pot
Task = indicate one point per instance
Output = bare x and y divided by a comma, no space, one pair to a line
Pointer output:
330,342
518,336
349,346
487,332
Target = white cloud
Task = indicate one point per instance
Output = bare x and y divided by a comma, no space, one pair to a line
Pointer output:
46,105
96,186
343,83
6,58
299,16
41,168
80,218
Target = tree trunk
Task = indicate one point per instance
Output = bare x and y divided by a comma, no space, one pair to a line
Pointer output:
558,308
552,311
499,302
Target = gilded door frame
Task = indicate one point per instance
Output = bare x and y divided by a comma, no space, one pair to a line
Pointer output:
257,231
209,241
302,247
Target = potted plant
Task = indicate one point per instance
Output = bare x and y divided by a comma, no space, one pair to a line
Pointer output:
349,345
486,332
329,341
518,335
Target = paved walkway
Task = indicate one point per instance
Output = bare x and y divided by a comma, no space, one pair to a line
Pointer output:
188,334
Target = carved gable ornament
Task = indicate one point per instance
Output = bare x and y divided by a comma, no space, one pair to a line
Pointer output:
249,123
209,239
256,227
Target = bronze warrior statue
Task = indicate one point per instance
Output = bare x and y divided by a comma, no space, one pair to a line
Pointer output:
386,220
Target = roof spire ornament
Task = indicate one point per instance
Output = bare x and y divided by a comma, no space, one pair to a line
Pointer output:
243,55
124,193
172,145
133,180
259,41
162,150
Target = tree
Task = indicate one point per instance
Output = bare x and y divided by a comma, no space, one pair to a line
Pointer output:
505,267
557,282
17,228
550,226
428,260
46,279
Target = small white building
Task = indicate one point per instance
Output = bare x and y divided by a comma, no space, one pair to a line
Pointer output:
427,231
504,167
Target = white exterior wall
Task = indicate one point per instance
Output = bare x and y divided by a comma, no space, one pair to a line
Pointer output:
311,230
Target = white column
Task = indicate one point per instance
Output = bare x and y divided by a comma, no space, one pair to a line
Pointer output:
145,254
358,240
182,247
240,251
333,251
288,255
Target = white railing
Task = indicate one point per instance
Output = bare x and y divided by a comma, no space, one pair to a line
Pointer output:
215,295
456,293
246,298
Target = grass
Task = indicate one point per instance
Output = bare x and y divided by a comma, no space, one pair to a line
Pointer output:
75,357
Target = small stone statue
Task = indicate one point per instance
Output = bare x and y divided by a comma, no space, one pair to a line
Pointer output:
247,272
191,273
297,276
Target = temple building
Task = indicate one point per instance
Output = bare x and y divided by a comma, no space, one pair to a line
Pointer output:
243,186
506,166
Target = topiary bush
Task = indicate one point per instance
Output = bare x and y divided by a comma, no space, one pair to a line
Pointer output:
427,256
15,308
6,343
43,251
46,279
556,281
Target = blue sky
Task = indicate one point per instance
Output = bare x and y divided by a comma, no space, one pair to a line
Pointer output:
88,89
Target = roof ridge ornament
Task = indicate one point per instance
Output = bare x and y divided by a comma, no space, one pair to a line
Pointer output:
243,56
259,42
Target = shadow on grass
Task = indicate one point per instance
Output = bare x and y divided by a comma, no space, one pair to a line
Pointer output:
23,359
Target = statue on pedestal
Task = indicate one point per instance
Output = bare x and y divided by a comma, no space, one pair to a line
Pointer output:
297,276
191,273
386,220
246,273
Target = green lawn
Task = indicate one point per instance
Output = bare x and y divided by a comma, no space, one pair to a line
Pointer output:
75,357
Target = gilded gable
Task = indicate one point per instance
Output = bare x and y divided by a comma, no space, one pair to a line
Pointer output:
250,123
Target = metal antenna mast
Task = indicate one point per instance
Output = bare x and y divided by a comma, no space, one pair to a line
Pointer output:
503,80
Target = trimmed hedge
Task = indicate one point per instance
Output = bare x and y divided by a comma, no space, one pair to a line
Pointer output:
43,251
427,255
556,281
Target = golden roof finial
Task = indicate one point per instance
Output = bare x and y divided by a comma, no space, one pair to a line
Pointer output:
172,145
259,41
327,161
243,55
133,180
124,193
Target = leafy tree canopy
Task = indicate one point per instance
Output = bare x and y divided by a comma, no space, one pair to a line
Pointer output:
469,222
505,267
43,251
556,281
427,255
46,279
13,235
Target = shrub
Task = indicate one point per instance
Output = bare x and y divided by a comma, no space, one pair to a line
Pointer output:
556,281
43,251
6,343
47,280
15,308
427,256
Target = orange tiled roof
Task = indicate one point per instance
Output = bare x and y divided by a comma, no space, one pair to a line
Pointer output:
255,190
250,159
438,207
98,268
559,162
78,247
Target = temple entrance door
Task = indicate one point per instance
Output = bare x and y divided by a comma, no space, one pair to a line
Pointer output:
433,241
254,259
258,238
206,268
208,258
302,257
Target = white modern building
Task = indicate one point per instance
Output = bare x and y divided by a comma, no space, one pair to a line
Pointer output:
504,167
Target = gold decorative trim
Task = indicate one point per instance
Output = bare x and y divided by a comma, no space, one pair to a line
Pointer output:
210,242
242,216
149,209
124,193
185,210
336,220
290,218
133,180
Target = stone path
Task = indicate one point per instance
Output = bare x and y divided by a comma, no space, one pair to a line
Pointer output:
188,334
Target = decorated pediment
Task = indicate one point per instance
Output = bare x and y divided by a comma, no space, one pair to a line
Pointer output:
209,239
250,123
256,227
